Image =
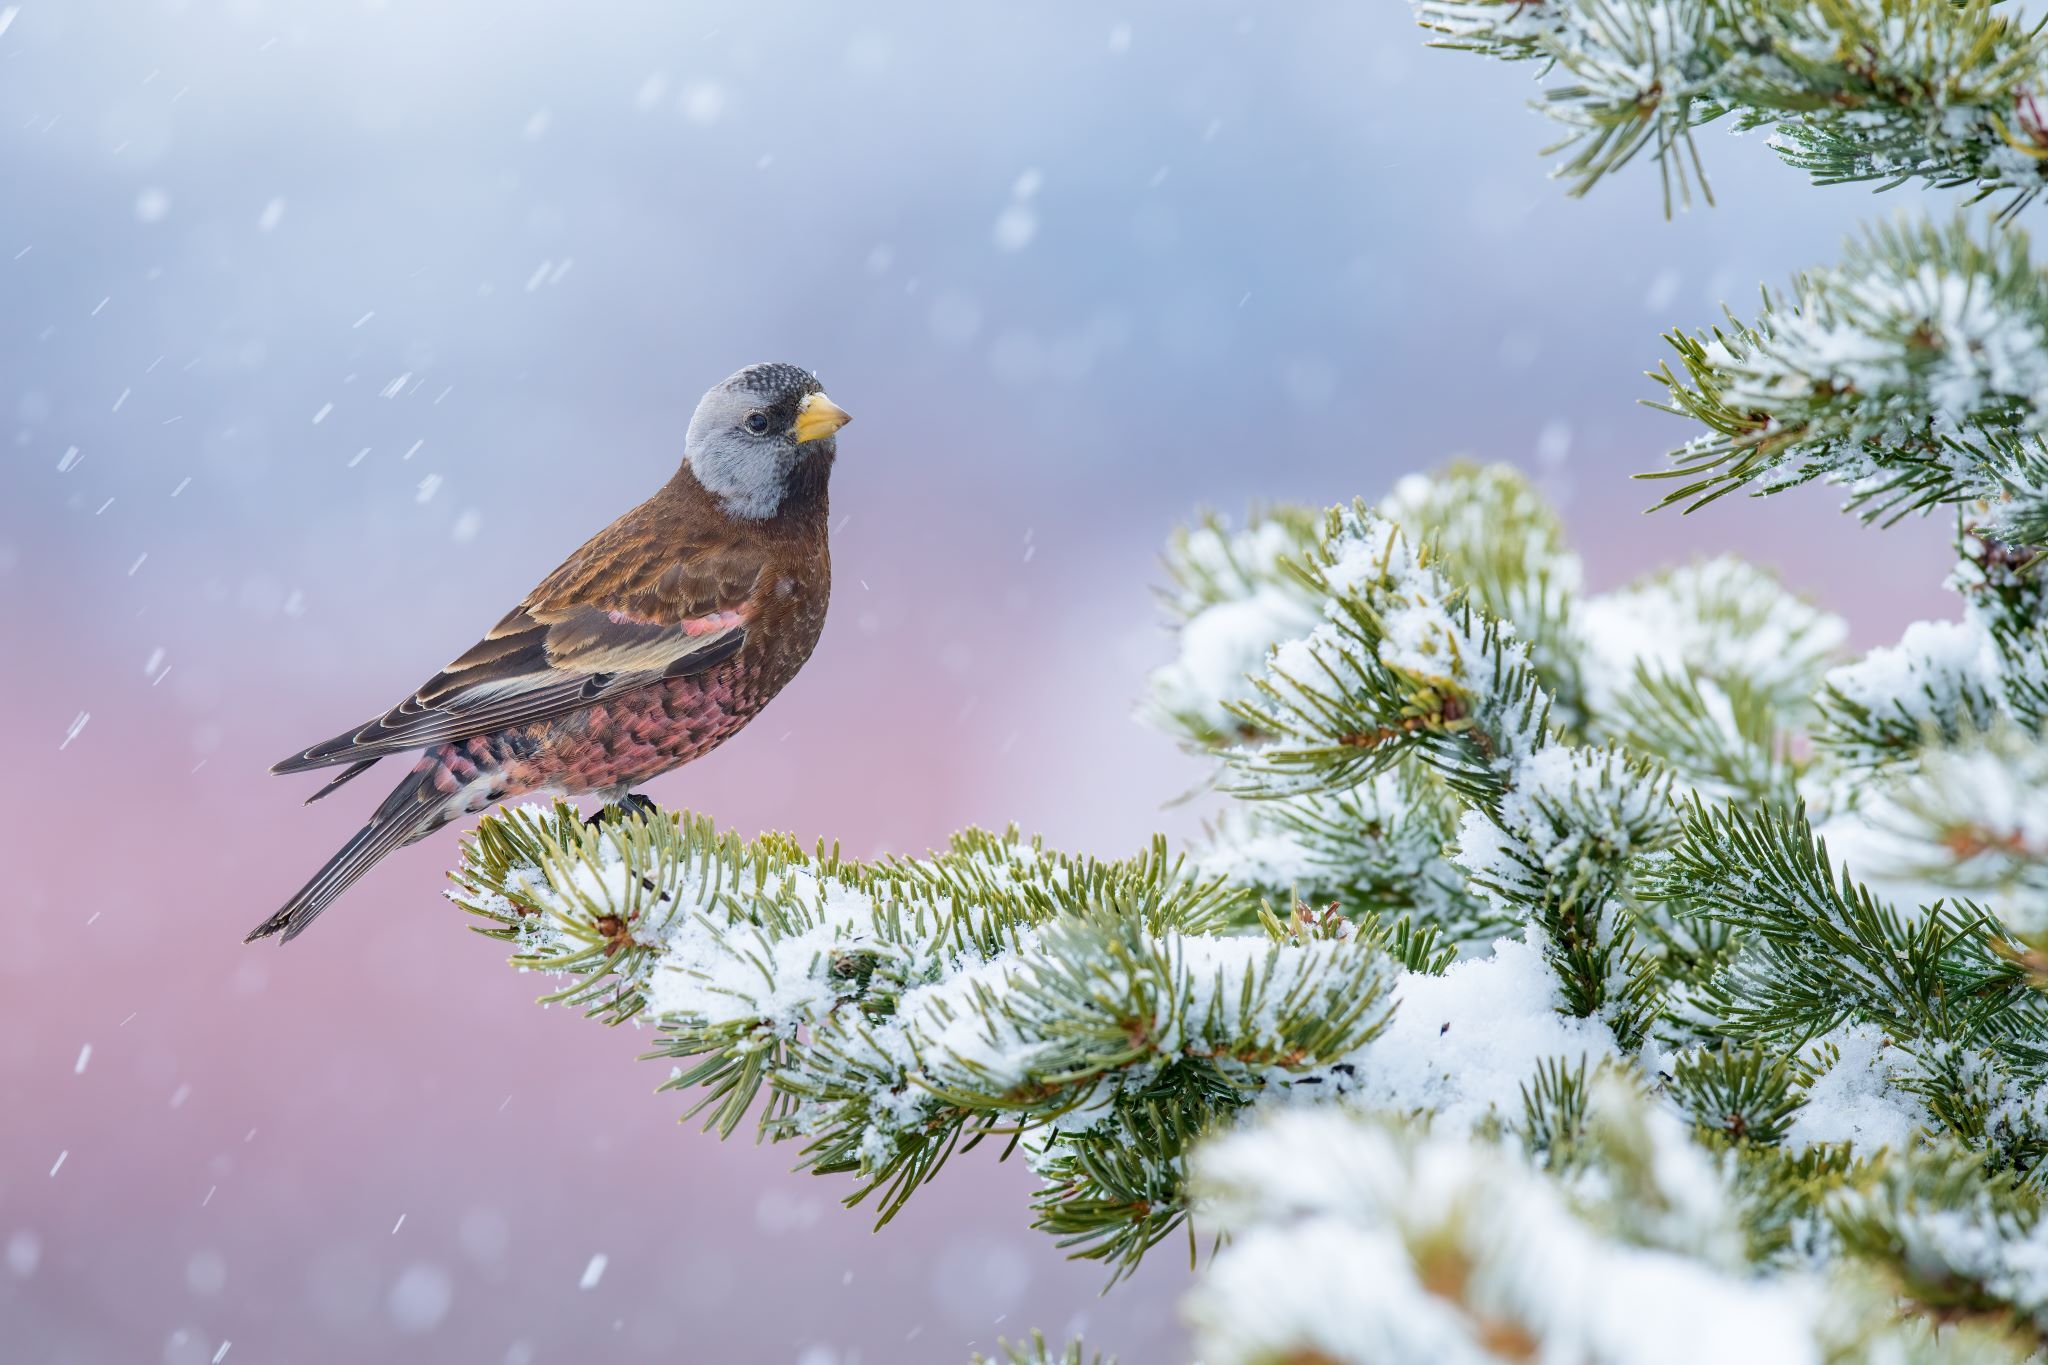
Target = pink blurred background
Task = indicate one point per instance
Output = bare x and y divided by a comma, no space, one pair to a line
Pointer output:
1077,273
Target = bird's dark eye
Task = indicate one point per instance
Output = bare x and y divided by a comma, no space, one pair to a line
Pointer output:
757,422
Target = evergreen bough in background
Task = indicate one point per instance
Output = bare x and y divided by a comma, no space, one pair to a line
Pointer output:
1612,978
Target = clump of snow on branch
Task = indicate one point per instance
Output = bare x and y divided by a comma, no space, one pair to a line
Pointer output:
1570,814
1718,619
1402,661
1472,1255
1856,1097
1937,682
1461,1046
1232,602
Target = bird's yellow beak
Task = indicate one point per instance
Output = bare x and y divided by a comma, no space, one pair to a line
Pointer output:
818,416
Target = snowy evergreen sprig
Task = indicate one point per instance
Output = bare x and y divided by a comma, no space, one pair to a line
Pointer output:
1881,90
1401,665
1378,846
1721,736
1935,687
1817,948
885,1014
1914,373
1935,1004
1492,532
1037,1351
1560,851
1356,1239
1405,667
1967,1244
1230,598
1721,624
1972,816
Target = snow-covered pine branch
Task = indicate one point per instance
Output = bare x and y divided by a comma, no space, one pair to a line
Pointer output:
1877,90
1229,598
884,1014
1914,373
1406,672
1356,1238
1037,1351
1486,1000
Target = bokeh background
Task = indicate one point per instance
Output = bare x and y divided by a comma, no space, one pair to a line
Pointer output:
327,327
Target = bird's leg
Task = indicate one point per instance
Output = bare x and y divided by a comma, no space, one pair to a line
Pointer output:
632,803
638,803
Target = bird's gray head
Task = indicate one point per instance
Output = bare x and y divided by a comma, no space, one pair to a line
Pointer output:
762,435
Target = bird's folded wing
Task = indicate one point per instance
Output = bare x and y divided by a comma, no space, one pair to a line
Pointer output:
539,662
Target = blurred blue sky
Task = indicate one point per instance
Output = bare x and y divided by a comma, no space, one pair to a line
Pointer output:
1074,273
359,316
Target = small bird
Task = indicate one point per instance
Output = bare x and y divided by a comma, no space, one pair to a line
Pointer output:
653,644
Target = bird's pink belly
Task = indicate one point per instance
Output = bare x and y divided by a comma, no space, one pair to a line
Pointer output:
610,747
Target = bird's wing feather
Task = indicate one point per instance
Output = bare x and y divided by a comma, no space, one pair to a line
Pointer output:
617,615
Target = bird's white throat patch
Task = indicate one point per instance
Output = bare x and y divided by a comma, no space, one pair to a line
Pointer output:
746,483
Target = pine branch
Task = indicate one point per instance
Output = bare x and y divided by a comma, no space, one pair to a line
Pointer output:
1403,665
1817,952
1489,531
1989,1099
1781,1191
1230,600
1553,1124
1972,818
1378,846
1721,621
1037,1352
1748,1095
2003,583
1883,90
1818,948
1719,738
1962,1244
1935,687
1560,847
885,1015
1469,1253
1915,374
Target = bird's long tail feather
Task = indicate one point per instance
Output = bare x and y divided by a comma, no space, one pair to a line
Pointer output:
415,808
346,775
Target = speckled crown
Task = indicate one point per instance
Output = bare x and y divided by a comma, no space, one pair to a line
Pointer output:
776,380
